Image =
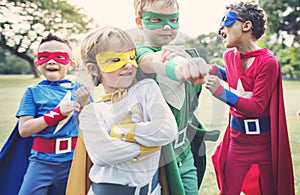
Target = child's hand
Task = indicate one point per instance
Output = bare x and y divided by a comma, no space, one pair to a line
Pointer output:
69,106
186,69
192,69
212,83
148,150
83,95
123,132
170,51
203,69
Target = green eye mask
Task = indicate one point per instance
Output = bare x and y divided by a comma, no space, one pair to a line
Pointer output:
154,20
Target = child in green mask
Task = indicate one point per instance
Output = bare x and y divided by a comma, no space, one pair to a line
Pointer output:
179,76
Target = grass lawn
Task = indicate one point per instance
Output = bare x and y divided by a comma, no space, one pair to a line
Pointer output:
211,112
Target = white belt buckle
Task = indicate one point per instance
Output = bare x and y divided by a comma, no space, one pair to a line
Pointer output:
257,128
57,145
180,138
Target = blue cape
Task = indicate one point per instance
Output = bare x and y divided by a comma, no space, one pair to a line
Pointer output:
13,162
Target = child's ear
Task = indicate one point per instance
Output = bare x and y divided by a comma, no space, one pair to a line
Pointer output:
71,65
36,63
92,69
139,22
247,26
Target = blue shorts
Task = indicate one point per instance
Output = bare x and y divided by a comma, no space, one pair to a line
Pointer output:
43,177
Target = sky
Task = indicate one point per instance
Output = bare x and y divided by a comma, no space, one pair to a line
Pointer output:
196,16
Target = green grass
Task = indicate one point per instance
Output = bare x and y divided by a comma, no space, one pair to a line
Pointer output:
211,112
11,91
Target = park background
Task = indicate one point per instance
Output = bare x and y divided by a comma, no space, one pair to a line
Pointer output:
211,112
24,23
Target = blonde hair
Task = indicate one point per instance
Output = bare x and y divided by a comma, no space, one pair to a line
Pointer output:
96,42
140,5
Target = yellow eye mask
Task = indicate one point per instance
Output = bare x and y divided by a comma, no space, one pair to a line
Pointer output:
112,61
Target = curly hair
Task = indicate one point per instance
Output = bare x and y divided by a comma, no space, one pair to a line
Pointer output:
251,11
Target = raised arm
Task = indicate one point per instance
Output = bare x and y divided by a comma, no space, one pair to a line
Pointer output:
254,106
173,62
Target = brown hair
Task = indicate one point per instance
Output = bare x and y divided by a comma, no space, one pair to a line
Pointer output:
52,37
251,11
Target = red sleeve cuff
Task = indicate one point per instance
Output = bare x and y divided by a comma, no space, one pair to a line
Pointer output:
219,91
213,69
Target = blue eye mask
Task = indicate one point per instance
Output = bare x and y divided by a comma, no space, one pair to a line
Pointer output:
154,20
230,19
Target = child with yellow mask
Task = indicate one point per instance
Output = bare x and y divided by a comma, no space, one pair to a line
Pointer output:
124,130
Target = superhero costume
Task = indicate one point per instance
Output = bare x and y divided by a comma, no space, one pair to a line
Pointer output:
258,101
15,154
117,162
183,101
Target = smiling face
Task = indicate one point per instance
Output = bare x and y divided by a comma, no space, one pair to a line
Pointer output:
54,60
165,20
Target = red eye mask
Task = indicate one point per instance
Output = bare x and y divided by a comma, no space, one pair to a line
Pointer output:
59,57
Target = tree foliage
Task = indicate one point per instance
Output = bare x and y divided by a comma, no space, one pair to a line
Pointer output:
210,47
284,32
24,23
13,65
283,20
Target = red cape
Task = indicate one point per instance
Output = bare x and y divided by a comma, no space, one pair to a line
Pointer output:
281,154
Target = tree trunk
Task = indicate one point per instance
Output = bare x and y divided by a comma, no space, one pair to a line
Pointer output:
35,71
27,58
22,55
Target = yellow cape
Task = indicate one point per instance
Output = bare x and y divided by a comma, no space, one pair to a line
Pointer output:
79,182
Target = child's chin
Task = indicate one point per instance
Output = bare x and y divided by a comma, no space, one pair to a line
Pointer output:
52,76
123,85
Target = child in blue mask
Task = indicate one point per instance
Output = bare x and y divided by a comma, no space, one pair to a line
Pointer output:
254,156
